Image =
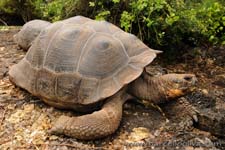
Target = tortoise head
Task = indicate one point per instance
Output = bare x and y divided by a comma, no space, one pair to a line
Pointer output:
176,85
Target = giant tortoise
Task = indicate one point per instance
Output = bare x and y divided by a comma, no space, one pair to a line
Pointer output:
29,32
94,67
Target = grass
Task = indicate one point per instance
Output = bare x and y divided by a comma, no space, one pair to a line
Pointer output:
6,28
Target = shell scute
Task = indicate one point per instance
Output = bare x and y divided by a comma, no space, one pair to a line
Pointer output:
102,57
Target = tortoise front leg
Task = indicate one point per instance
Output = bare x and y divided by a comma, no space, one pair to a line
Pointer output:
182,113
96,125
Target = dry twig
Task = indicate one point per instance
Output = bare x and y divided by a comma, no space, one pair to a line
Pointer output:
3,142
2,118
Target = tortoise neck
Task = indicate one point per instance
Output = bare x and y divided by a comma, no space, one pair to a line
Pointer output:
149,88
121,96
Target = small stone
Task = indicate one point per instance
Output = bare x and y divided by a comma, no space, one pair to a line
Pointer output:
53,137
62,148
11,106
189,148
204,91
209,61
145,114
29,107
135,114
157,133
2,48
139,134
199,148
50,110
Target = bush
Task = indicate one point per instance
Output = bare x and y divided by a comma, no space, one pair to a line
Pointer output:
164,24
22,7
56,10
51,11
212,19
170,24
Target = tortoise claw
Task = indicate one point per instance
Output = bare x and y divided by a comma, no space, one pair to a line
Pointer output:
195,118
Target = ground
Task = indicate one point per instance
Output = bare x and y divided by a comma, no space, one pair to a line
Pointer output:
25,120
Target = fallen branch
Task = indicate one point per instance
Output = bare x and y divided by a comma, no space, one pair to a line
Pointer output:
3,22
2,118
1,143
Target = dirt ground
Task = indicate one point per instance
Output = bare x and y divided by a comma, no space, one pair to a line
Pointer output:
25,120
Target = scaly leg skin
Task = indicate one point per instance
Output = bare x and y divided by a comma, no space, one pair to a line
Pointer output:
96,125
185,114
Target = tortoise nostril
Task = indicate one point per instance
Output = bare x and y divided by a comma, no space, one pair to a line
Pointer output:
188,78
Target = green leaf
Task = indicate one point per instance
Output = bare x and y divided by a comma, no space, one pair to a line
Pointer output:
92,4
126,20
116,1
102,15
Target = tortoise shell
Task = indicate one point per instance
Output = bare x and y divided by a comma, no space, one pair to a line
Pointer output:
81,61
29,32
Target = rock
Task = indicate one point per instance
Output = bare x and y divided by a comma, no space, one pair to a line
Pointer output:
209,61
189,148
205,91
220,80
139,134
212,121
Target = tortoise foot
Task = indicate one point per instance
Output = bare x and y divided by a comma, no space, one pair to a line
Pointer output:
182,113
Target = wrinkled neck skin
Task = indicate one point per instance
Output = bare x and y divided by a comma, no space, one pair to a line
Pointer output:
152,89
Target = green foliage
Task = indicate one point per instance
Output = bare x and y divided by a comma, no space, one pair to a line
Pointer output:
126,21
212,16
164,24
116,1
56,10
102,15
106,10
51,11
149,19
21,7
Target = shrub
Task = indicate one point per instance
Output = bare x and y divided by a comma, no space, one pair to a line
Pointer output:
164,24
22,7
212,17
51,11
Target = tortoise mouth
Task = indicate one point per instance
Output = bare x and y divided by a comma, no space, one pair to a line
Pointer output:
174,93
